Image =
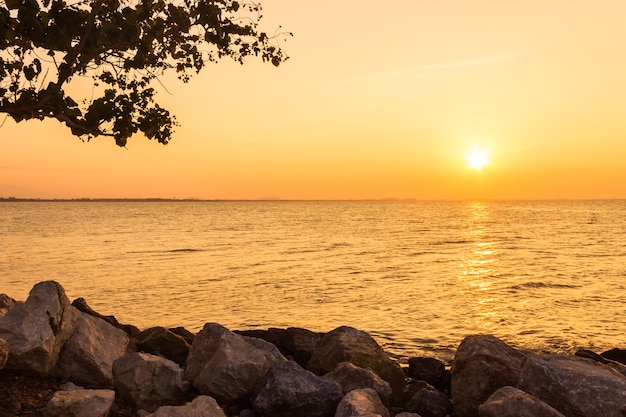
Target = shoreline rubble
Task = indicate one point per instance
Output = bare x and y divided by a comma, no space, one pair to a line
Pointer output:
98,367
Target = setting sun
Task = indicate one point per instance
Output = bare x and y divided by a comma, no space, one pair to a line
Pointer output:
477,158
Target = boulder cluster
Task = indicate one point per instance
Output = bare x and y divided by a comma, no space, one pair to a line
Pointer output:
294,372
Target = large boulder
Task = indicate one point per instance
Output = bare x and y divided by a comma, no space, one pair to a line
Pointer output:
361,402
347,344
6,303
351,377
201,406
80,403
615,354
288,390
164,342
482,364
38,328
513,402
148,381
577,387
87,357
227,366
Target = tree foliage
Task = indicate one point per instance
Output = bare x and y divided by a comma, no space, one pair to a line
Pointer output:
124,46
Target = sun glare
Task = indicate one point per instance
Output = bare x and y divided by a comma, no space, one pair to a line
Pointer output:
477,158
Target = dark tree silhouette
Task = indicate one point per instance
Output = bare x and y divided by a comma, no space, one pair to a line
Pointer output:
124,46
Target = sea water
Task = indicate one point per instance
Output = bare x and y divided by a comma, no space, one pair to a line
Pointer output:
418,276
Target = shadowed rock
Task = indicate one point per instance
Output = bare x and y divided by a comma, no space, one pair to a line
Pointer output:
577,387
482,364
512,402
6,303
148,381
164,342
201,406
428,402
87,357
347,344
352,377
37,328
288,390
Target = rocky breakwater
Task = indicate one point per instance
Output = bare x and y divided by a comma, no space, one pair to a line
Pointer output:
95,366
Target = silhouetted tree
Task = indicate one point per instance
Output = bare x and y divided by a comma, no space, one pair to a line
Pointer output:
124,46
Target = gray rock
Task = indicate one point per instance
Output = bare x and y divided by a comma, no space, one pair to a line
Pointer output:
352,377
4,352
347,344
6,303
293,342
201,406
164,342
288,390
38,328
361,402
226,365
577,387
512,402
148,381
87,357
80,403
482,364
428,402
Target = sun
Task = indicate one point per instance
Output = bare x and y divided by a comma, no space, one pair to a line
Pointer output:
477,158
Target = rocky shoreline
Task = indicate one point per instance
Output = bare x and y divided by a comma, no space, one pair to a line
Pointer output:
63,359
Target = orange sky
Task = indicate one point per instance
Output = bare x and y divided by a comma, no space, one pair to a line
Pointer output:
378,100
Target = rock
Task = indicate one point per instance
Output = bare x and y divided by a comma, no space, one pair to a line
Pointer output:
184,333
617,355
430,370
288,390
148,381
37,328
352,377
4,352
225,365
6,303
293,342
129,329
80,403
428,402
361,402
482,364
405,414
619,367
87,357
347,344
513,402
201,406
577,387
164,342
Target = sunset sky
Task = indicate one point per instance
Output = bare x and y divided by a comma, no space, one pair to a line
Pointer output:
377,100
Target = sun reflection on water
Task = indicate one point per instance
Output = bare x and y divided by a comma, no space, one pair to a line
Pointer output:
478,270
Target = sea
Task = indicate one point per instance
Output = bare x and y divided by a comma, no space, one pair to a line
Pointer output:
418,276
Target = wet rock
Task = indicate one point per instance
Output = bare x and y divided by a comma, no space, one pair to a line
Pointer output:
482,364
4,352
577,387
293,342
361,402
148,381
6,303
225,365
617,355
164,342
347,344
352,377
288,390
87,357
512,402
80,403
428,402
201,406
38,328
430,370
